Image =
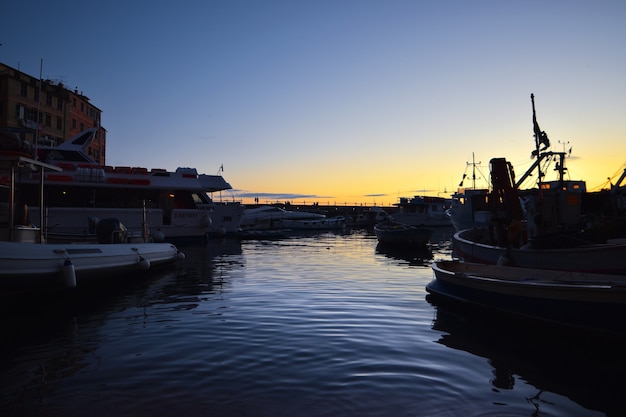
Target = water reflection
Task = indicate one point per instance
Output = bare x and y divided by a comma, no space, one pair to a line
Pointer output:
587,369
413,255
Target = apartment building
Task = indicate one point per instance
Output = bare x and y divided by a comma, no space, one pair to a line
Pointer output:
45,112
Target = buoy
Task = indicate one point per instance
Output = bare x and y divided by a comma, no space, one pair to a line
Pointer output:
158,236
205,221
69,274
144,264
180,256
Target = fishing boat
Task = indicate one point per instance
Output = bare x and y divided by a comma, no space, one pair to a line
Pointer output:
29,264
557,225
168,206
585,300
469,206
393,233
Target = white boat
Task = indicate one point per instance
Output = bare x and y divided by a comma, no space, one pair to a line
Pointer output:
29,264
422,211
169,206
326,223
587,300
273,217
393,233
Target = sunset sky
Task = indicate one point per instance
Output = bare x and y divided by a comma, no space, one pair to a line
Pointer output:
337,101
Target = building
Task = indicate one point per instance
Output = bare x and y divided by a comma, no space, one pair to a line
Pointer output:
43,112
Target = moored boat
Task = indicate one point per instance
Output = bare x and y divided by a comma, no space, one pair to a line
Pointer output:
170,206
585,300
394,233
557,225
267,217
28,264
423,211
326,223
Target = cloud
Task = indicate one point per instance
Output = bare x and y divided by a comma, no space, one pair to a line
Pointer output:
277,196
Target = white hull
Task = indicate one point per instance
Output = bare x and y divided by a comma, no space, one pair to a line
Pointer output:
34,266
330,223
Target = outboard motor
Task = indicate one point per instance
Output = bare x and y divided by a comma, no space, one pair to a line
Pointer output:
111,231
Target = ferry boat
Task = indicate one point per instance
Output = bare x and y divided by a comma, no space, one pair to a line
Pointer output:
153,204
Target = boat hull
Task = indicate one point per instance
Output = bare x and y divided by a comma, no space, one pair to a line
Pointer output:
392,233
590,301
597,258
33,267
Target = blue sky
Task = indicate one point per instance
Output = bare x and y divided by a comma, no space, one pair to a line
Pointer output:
340,101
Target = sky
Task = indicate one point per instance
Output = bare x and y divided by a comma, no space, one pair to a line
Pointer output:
337,102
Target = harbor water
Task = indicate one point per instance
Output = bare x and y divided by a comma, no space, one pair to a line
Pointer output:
327,324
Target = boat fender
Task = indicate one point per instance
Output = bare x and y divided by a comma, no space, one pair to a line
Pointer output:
158,236
69,274
144,264
205,221
180,256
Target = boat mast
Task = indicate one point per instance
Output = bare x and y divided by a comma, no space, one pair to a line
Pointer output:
537,134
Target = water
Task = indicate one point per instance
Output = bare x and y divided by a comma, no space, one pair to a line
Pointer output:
320,325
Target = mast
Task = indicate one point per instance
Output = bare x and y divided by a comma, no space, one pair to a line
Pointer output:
537,132
541,138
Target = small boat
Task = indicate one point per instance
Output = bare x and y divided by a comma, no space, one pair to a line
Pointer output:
393,233
28,264
574,299
30,267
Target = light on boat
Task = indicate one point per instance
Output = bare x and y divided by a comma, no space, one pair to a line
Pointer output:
69,274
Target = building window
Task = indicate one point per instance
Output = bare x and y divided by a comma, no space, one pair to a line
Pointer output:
82,126
59,103
82,106
48,119
49,99
24,90
59,123
36,94
73,123
74,102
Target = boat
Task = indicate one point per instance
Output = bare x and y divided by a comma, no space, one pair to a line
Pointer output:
168,206
422,211
370,217
273,217
393,233
557,225
574,299
325,223
29,264
469,206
